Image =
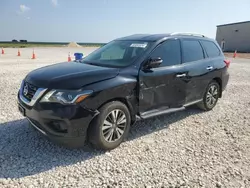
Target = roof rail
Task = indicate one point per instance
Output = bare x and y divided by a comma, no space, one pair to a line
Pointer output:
186,33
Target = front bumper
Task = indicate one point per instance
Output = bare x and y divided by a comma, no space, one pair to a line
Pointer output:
64,124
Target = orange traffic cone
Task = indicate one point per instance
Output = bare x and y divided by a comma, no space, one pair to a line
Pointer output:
2,51
235,54
69,58
33,55
18,53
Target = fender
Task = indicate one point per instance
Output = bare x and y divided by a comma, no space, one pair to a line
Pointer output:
121,88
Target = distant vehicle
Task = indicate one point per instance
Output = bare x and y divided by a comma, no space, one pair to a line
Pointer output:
128,79
23,41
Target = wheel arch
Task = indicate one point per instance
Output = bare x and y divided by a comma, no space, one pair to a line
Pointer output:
219,81
128,104
122,100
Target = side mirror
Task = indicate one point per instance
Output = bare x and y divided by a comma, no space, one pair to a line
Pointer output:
153,63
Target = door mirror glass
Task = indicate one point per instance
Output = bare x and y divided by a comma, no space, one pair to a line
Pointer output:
153,63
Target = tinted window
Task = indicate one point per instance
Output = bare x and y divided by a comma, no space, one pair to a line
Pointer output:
211,49
114,52
117,53
170,53
192,51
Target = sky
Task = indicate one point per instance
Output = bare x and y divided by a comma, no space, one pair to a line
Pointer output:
105,20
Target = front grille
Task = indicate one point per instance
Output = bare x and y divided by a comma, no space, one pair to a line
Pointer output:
29,91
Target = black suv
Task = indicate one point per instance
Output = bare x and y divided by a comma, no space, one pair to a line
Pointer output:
128,79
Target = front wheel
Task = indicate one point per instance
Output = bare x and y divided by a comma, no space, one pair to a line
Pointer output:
210,97
110,127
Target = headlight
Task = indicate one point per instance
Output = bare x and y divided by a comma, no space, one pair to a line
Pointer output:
66,96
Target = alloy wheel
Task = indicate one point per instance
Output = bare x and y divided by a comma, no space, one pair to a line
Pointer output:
114,125
212,96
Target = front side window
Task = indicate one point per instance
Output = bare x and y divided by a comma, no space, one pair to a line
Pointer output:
117,53
192,51
169,52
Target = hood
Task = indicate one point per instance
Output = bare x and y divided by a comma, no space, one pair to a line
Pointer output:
69,75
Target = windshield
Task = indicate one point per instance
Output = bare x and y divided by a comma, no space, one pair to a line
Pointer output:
117,53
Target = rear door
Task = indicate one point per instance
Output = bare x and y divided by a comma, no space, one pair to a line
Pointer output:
163,86
199,68
215,58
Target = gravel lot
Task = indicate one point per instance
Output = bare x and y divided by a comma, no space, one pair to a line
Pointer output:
185,149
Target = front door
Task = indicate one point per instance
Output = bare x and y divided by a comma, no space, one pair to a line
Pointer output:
163,86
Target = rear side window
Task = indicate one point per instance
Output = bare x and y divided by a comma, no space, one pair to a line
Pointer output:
169,52
192,51
211,49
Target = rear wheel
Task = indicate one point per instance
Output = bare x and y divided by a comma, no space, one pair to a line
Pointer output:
110,127
210,97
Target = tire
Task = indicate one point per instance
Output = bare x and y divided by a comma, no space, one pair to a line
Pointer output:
207,104
100,131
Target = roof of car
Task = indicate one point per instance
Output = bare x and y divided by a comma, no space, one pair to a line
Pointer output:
145,37
154,37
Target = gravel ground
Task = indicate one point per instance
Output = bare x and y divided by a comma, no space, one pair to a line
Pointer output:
185,149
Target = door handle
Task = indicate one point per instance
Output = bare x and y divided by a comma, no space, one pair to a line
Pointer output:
181,75
209,68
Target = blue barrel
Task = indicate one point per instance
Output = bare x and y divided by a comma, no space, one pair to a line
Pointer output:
78,56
